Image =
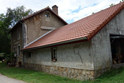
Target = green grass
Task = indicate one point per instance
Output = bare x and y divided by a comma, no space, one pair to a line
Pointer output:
30,76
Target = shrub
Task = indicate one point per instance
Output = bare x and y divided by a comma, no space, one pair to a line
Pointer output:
1,56
10,59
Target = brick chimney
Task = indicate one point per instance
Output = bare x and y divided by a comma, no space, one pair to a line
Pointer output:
55,9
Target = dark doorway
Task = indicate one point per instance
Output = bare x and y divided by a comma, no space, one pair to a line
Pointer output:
117,48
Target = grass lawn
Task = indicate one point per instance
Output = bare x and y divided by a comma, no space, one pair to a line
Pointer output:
30,76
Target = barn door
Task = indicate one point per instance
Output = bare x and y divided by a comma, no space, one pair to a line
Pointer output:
117,48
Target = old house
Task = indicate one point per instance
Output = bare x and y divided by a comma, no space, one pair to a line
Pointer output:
32,27
81,50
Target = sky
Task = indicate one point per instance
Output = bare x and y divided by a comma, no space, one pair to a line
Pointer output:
69,10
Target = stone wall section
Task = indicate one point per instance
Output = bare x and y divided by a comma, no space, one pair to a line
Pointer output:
79,74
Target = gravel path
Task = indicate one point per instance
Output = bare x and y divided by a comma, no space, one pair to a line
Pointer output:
5,79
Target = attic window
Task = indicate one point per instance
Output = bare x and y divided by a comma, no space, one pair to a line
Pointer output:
47,15
54,54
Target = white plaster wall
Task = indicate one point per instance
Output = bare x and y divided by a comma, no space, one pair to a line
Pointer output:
101,48
75,55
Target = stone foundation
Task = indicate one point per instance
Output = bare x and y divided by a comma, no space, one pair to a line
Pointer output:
79,74
74,73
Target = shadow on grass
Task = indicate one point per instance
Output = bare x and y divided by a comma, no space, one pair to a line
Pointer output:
112,73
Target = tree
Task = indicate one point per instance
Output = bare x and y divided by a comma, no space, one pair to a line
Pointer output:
14,15
4,44
112,5
7,21
122,0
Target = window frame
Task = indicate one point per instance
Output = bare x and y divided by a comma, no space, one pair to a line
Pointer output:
54,54
29,54
47,15
18,50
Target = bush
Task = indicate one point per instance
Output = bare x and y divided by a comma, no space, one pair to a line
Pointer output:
10,59
1,56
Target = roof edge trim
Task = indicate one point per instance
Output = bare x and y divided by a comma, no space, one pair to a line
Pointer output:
38,38
59,43
91,35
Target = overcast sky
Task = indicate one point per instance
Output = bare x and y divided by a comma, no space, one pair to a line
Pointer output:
69,10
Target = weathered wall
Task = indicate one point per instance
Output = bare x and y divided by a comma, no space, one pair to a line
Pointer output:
31,29
101,47
16,40
71,55
35,25
85,60
75,57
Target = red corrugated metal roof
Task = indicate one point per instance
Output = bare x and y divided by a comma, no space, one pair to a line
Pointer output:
84,28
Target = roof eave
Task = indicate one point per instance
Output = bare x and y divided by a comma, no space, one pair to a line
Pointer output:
57,44
15,26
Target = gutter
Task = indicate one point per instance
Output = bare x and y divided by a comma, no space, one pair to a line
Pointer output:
59,43
38,38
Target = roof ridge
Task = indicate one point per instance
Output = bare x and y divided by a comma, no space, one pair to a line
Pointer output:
35,13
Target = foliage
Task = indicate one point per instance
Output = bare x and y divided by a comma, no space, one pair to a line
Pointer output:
122,1
9,57
7,21
1,56
4,37
112,5
14,15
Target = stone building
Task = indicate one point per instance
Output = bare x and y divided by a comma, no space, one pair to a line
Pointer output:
30,28
80,50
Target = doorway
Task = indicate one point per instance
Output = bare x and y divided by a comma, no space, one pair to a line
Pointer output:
117,48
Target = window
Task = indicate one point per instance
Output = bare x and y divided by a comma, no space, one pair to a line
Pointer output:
54,54
29,55
47,14
18,50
